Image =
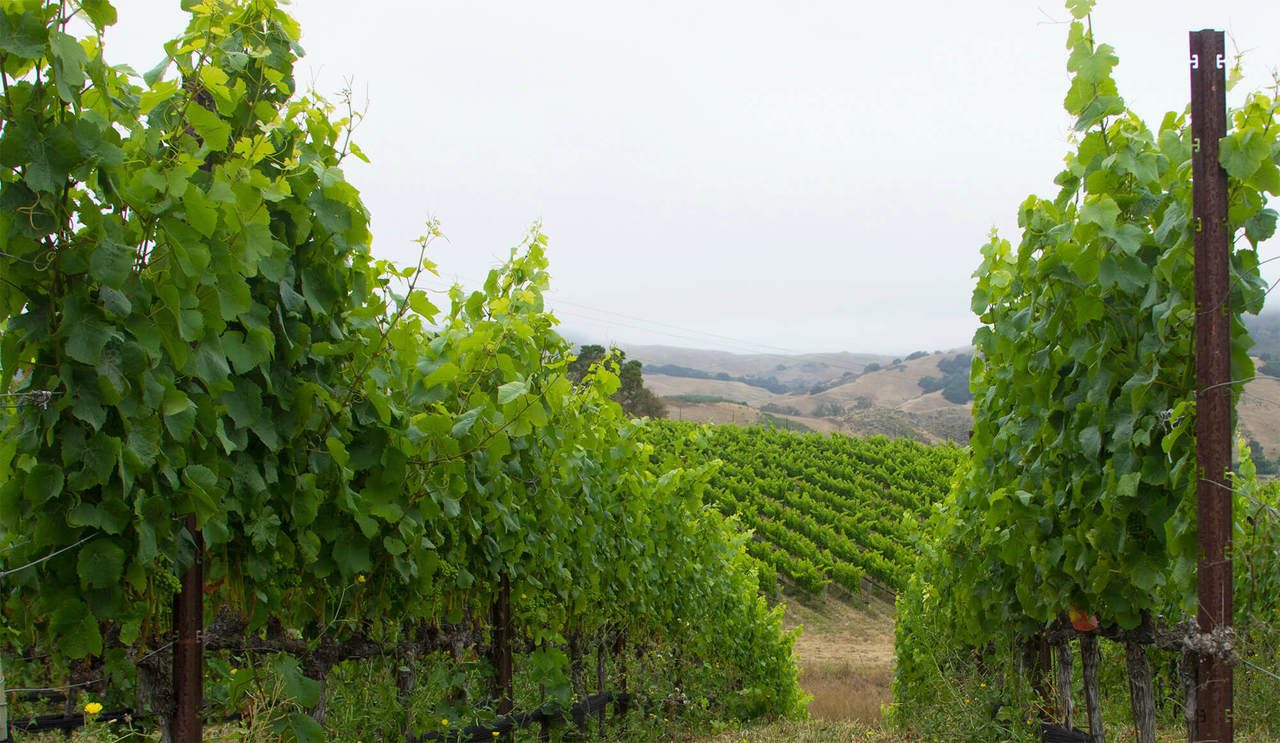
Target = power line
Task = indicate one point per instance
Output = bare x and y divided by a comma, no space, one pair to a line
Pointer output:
739,344
724,343
788,351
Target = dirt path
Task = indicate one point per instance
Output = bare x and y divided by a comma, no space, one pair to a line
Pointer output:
845,654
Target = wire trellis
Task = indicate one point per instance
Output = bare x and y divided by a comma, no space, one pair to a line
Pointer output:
35,398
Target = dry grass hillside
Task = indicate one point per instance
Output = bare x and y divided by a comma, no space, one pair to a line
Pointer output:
892,387
668,386
799,371
1259,410
889,400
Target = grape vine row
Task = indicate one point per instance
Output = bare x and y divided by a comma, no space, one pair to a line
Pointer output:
823,508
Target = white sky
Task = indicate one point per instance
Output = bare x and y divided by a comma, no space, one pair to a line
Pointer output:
747,176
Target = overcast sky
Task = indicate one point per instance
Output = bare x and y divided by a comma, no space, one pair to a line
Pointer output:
746,176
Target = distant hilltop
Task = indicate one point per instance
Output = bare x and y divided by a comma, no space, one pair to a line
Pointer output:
923,395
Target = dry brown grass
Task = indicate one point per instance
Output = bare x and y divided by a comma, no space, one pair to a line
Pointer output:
847,692
806,731
845,655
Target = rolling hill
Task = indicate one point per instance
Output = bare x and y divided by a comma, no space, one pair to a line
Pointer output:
854,393
866,394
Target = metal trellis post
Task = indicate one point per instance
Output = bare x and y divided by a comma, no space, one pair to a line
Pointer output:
188,647
1213,378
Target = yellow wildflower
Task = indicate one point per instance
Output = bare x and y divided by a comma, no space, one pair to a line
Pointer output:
92,708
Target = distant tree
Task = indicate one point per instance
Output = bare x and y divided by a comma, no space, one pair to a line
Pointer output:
829,409
770,407
917,355
954,381
1259,456
874,366
587,356
632,395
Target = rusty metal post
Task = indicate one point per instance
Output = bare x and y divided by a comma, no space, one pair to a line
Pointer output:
188,648
1213,377
503,665
4,706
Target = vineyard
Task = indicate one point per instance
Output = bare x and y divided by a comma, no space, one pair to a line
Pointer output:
822,508
253,477
1110,354
245,464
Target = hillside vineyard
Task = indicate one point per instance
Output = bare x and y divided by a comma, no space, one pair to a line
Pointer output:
822,508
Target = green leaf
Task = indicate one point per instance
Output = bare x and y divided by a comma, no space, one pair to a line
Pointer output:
1092,65
110,517
100,565
510,391
1127,487
75,630
334,216
1102,211
303,690
44,173
111,263
421,304
305,729
445,373
209,126
1266,178
100,13
209,364
159,93
464,422
338,451
86,341
352,556
1128,238
1090,441
115,301
180,425
1145,576
23,35
188,246
202,492
1242,153
69,60
1261,226
238,352
43,483
244,402
1080,8
175,402
201,213
152,76
197,475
